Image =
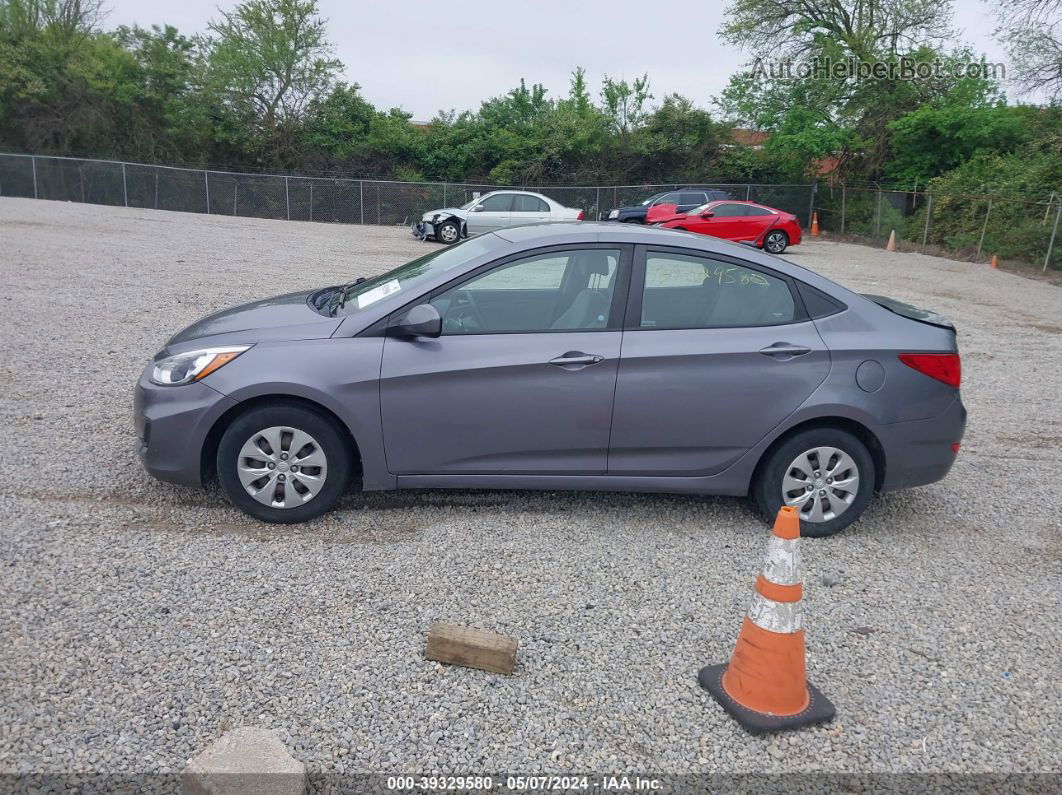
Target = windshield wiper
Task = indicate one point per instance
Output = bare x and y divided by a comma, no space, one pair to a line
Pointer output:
339,300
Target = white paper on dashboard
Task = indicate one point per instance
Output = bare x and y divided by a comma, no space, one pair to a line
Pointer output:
378,293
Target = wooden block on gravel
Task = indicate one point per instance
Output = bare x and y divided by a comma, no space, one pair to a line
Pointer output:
474,648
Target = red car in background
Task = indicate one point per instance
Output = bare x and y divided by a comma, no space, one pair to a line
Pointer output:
743,222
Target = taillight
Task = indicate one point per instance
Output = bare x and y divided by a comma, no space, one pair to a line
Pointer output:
944,367
579,217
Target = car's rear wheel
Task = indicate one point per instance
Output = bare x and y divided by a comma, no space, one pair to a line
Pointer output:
284,462
826,473
776,242
448,232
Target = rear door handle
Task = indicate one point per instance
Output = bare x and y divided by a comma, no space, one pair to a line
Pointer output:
576,358
784,349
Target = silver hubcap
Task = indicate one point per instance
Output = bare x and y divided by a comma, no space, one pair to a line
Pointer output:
282,467
775,242
822,483
449,234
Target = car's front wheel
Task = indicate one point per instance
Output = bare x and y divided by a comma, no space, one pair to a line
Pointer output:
448,232
284,462
776,242
826,473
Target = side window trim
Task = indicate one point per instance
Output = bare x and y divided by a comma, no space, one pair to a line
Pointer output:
619,295
632,320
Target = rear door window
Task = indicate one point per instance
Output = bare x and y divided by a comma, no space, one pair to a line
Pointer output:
529,204
688,292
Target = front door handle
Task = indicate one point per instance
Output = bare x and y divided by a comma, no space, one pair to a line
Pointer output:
784,349
576,358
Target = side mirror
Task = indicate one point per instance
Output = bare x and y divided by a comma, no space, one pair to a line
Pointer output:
420,321
477,209
708,214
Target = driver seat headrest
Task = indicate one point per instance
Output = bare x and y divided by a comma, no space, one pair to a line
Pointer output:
591,263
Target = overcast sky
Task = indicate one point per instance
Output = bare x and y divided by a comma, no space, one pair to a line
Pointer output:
426,57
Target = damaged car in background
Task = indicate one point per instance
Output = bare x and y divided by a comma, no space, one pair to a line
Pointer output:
489,213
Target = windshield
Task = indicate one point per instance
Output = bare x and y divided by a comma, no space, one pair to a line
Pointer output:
406,277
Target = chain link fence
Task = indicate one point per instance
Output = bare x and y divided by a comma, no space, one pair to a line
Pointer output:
964,225
302,198
971,226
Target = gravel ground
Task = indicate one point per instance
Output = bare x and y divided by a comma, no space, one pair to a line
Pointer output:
138,621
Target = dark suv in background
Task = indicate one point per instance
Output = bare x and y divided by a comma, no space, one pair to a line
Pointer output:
685,200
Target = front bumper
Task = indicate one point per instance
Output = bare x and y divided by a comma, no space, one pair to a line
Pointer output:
920,452
172,423
422,230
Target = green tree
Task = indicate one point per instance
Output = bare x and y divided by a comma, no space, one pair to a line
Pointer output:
1031,31
931,140
64,86
865,29
625,103
172,123
269,60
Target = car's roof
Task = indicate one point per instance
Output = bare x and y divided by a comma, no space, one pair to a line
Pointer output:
562,233
514,190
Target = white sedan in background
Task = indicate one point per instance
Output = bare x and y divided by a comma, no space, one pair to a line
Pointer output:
490,212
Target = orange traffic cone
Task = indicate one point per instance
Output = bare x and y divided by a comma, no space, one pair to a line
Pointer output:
891,245
815,224
765,688
995,261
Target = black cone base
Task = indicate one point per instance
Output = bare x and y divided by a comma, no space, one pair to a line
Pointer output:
819,709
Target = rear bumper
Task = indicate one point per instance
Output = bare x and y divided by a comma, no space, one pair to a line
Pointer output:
172,423
920,452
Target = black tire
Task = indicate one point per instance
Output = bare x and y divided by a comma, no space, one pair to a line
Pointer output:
332,438
634,220
766,491
775,242
448,232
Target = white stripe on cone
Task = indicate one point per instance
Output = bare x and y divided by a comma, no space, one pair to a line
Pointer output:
782,566
780,617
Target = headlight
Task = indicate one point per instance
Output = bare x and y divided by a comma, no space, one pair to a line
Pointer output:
183,368
613,214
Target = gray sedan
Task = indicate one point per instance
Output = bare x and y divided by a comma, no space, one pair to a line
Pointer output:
490,212
569,356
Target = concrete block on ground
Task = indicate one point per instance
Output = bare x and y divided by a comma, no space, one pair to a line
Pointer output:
246,761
